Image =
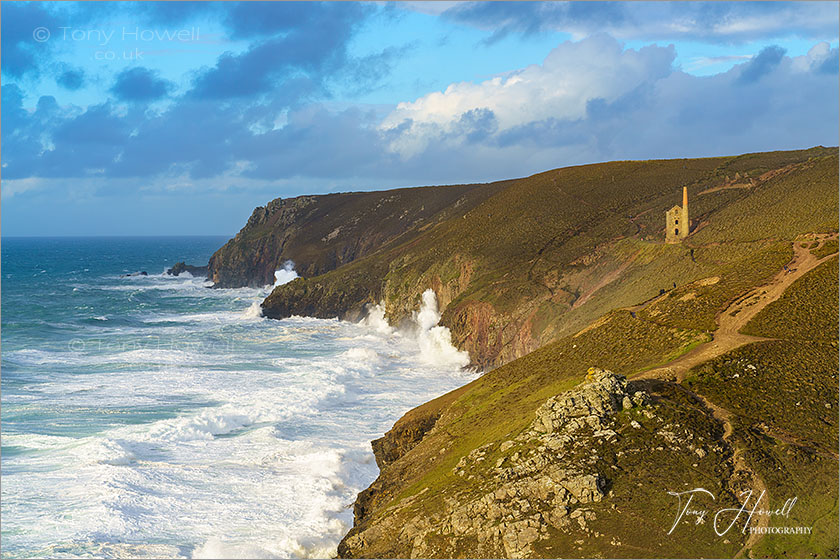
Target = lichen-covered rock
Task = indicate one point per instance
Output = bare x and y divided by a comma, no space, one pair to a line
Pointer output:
604,394
522,489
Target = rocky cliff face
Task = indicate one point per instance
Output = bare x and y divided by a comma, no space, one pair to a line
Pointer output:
250,258
321,233
514,264
548,488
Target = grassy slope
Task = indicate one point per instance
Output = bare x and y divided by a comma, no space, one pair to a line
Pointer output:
787,407
516,267
740,248
320,233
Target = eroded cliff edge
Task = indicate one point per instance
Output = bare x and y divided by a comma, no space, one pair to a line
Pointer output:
542,458
322,232
517,264
547,275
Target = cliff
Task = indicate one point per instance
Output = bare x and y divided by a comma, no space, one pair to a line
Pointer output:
517,264
715,359
321,233
546,458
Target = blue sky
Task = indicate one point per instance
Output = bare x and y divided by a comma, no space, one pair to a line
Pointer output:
179,118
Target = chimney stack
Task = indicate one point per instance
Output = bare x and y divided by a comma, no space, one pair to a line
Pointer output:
684,230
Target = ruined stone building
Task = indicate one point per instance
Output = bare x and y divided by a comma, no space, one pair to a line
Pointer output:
676,221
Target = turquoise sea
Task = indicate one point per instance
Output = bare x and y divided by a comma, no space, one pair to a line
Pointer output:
152,416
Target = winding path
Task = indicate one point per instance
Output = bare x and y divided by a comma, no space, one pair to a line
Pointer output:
727,338
732,319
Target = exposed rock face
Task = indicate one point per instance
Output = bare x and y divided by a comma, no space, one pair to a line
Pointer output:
250,258
181,267
604,394
400,439
523,488
321,233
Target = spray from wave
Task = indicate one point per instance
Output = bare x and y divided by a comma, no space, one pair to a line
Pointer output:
436,341
281,276
254,311
376,319
286,274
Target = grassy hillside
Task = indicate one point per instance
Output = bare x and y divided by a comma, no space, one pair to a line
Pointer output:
320,233
785,395
543,256
788,433
763,416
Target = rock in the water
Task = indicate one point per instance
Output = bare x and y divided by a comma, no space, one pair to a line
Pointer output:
181,267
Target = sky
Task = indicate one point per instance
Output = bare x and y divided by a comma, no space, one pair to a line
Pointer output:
179,118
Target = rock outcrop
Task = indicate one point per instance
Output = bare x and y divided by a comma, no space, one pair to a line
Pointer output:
180,267
521,489
321,233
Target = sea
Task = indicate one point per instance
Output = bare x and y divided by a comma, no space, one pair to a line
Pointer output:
153,416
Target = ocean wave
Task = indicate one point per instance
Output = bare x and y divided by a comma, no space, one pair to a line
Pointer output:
236,436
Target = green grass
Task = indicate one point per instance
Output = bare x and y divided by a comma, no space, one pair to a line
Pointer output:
517,255
783,208
738,267
787,388
808,310
777,389
828,248
790,471
501,403
784,395
639,513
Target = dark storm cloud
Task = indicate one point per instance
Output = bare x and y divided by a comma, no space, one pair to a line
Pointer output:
22,53
293,39
71,79
261,19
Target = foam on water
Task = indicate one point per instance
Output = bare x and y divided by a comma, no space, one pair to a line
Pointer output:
187,425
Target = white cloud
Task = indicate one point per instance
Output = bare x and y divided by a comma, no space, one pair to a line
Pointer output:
570,76
593,101
12,187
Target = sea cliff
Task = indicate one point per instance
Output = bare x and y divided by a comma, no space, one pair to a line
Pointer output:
715,357
514,264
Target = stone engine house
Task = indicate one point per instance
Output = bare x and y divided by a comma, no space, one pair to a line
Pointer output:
676,221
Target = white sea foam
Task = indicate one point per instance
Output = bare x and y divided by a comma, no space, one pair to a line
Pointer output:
434,341
234,437
217,548
376,319
361,355
254,311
